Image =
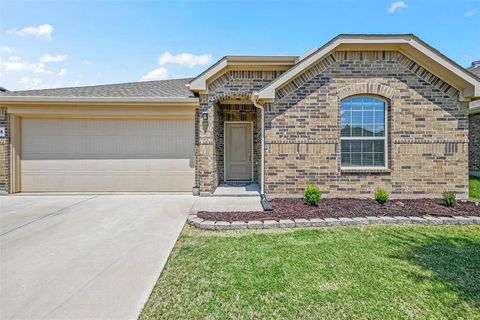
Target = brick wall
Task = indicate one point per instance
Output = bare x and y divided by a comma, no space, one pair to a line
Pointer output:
428,129
233,85
4,152
474,148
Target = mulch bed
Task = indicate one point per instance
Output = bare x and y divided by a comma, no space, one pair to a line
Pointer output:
348,208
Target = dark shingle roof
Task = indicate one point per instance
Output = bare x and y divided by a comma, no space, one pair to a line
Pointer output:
475,70
175,88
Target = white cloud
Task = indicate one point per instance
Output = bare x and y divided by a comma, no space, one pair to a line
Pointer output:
15,64
62,72
157,74
7,49
470,13
46,58
31,83
394,6
185,59
43,31
86,62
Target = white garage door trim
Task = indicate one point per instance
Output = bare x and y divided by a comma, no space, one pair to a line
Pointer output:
106,155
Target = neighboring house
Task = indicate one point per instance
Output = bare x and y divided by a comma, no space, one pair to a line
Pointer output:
362,111
474,129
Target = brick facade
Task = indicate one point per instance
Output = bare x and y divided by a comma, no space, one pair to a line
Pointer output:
231,86
4,152
474,148
427,128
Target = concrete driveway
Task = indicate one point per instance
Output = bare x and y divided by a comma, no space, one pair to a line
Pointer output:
84,256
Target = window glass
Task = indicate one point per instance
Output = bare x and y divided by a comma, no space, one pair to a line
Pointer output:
362,131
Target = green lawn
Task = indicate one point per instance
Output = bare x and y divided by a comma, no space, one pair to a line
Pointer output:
475,188
374,272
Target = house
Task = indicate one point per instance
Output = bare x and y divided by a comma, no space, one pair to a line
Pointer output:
474,129
360,112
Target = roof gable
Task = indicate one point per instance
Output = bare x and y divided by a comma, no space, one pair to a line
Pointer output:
408,44
200,83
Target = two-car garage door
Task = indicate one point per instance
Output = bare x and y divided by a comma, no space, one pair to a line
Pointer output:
76,155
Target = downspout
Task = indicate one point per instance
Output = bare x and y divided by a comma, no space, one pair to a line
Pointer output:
262,166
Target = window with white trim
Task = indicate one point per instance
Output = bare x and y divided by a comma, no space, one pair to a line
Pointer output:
363,132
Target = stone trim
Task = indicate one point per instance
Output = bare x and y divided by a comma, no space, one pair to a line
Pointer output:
366,88
427,76
231,96
340,56
365,170
304,77
302,141
429,141
197,222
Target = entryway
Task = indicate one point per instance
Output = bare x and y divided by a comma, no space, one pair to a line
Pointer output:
238,151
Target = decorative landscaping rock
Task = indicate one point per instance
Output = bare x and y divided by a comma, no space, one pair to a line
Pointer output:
332,222
255,224
222,225
346,221
316,222
463,220
388,220
302,223
374,220
240,224
403,220
271,224
208,224
433,220
359,220
448,220
287,223
475,219
418,220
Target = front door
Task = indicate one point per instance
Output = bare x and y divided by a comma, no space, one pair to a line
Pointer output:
238,151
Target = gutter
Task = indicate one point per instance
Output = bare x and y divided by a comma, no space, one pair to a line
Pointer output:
263,198
41,99
262,174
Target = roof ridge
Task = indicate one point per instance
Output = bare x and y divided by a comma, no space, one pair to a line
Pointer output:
101,85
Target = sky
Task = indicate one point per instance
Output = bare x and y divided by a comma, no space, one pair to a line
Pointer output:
47,44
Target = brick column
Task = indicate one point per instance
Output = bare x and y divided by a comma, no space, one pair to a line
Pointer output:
206,154
4,153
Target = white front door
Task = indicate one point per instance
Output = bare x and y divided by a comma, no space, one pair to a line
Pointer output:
238,151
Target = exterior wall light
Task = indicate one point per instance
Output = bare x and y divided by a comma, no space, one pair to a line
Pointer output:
205,115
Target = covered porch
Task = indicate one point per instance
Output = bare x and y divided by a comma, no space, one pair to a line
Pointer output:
237,142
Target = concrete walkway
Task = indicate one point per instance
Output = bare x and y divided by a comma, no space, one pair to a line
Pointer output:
84,256
251,203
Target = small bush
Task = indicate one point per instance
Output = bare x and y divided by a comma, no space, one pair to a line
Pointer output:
449,199
381,196
312,194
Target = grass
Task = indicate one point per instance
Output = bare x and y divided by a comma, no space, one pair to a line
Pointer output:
374,272
475,188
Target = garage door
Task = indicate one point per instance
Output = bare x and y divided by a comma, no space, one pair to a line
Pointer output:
107,155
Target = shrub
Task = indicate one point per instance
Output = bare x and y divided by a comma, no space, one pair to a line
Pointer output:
312,194
381,196
449,199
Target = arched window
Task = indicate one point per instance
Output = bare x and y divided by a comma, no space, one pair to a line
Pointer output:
363,129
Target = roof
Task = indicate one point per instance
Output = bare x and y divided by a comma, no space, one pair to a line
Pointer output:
175,88
475,70
199,83
408,44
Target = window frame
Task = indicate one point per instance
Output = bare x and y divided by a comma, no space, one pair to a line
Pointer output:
370,138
